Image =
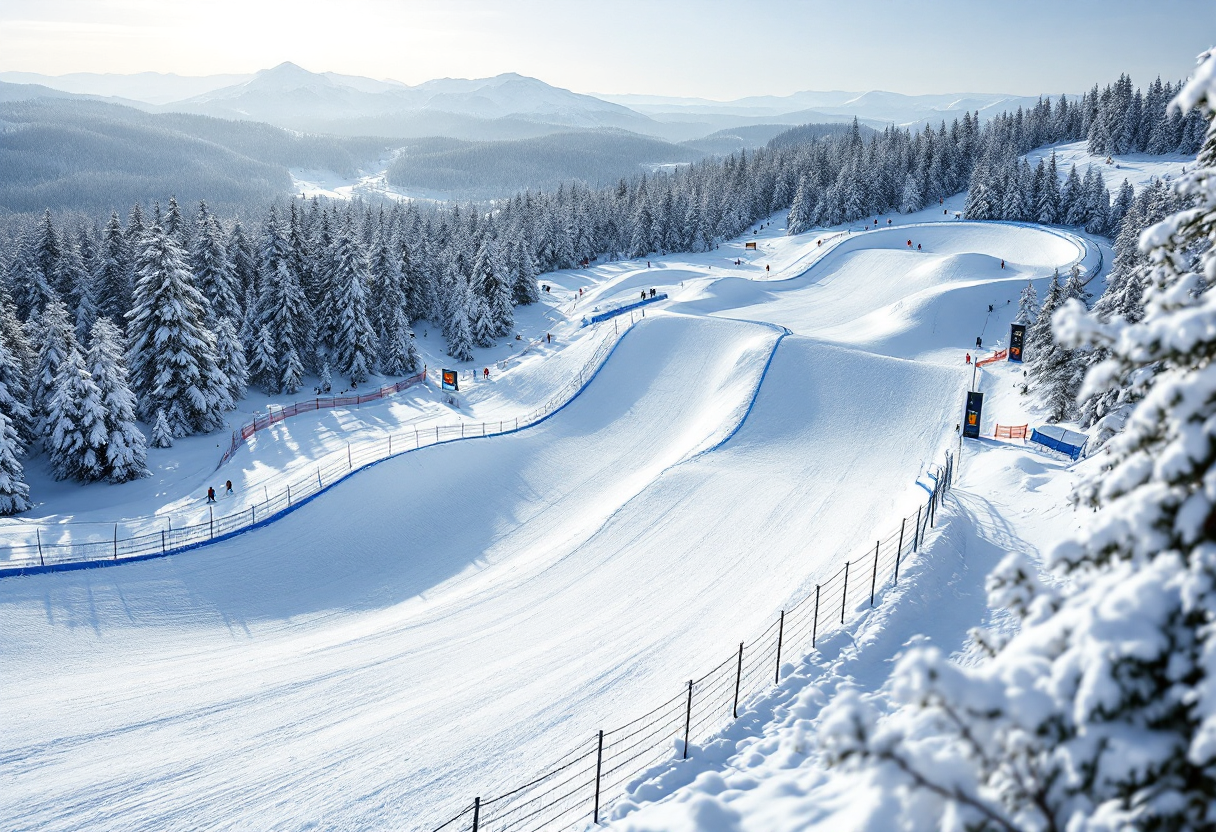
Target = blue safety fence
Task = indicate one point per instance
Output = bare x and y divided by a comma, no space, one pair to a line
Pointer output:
1068,442
620,310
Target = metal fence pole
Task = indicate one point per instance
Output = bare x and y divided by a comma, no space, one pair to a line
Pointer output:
916,531
688,719
899,550
599,761
738,678
350,466
211,512
815,624
476,812
780,635
38,534
115,541
844,598
874,577
162,541
289,496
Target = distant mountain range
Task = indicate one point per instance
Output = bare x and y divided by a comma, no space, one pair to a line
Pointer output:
507,106
94,142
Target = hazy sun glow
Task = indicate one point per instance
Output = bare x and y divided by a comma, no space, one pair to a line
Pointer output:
705,48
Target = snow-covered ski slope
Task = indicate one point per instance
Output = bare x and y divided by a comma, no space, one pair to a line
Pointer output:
450,621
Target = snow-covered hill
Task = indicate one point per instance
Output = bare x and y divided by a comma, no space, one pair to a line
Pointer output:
447,622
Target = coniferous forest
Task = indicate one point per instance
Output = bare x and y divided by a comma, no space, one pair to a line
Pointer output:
166,314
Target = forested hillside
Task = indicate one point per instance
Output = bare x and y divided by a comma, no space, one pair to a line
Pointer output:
73,154
484,169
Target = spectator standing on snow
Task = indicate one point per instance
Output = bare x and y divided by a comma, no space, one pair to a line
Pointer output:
968,358
210,494
228,487
979,342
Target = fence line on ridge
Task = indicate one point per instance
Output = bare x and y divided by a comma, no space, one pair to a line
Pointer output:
55,549
275,414
576,790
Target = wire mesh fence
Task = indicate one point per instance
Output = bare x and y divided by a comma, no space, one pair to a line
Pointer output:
576,790
37,547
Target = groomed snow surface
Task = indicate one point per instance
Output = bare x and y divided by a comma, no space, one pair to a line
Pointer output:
449,622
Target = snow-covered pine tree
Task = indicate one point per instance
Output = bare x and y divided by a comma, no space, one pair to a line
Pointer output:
1028,305
58,340
231,355
482,325
910,199
76,434
172,354
355,338
14,491
398,355
124,456
282,307
799,218
243,260
162,434
326,379
213,272
14,398
78,283
492,281
112,278
31,290
1051,367
459,337
263,364
524,287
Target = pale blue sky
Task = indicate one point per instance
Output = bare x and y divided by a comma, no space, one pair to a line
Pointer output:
709,48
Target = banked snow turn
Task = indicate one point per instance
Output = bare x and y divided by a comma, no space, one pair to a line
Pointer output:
446,622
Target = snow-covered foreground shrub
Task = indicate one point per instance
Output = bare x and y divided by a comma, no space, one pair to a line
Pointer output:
1100,713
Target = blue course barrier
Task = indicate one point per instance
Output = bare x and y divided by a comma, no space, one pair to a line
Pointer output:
612,313
1067,442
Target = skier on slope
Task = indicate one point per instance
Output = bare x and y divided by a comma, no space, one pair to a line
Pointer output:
210,494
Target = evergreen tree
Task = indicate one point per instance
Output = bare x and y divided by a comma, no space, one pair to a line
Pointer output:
1028,305
124,455
14,492
355,338
57,342
398,355
524,286
799,218
213,272
459,338
172,356
14,400
263,365
231,358
482,325
112,279
162,434
80,294
31,290
76,434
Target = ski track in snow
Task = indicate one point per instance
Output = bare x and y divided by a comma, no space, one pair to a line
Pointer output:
449,622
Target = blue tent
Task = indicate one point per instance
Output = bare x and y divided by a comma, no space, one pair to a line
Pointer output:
1067,442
